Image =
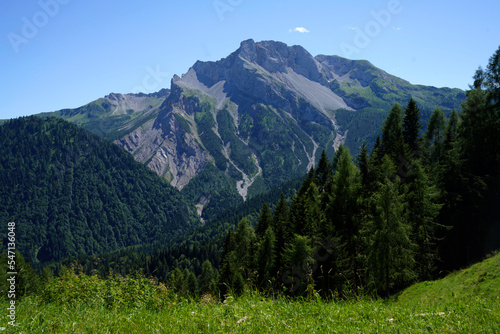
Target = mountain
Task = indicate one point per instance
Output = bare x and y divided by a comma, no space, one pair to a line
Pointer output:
114,115
234,128
70,192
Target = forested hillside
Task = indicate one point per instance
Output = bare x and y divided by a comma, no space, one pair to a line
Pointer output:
407,209
71,192
415,205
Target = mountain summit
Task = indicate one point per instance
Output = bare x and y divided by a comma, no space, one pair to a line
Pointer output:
241,125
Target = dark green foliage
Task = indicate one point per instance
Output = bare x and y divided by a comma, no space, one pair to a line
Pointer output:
435,135
26,281
343,212
208,279
297,263
323,171
390,259
266,257
471,172
392,134
265,221
215,187
423,208
412,126
70,193
282,228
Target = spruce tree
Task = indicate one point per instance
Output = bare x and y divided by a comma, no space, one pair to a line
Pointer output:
266,257
390,251
434,137
207,280
297,261
344,211
228,264
392,142
322,172
313,215
412,127
422,211
265,221
245,251
282,229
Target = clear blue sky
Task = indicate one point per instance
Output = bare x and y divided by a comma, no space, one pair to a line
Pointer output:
65,53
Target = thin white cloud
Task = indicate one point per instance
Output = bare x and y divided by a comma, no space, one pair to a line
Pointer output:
396,28
302,30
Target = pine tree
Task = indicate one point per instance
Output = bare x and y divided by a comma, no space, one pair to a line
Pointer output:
412,127
208,279
392,142
451,131
434,137
480,127
297,259
322,172
282,229
305,185
266,257
422,213
362,161
344,211
313,215
391,254
265,221
245,251
228,264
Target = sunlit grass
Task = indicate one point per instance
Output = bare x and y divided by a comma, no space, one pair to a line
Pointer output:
251,313
465,302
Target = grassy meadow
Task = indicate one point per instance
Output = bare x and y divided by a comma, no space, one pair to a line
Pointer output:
467,301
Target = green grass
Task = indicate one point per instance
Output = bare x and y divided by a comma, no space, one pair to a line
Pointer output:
253,314
464,302
481,280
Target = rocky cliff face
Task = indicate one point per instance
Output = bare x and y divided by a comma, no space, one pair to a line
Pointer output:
262,116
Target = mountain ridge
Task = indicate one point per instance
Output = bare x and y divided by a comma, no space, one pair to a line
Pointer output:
261,116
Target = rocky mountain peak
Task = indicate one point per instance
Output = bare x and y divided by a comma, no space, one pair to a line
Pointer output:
259,117
279,57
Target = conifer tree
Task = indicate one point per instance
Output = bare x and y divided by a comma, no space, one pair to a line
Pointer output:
412,127
245,251
266,257
480,128
281,228
305,185
434,137
207,279
228,264
297,259
344,211
391,253
392,142
322,172
422,213
313,215
265,221
451,131
362,162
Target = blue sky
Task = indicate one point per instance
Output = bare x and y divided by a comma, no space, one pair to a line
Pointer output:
59,54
